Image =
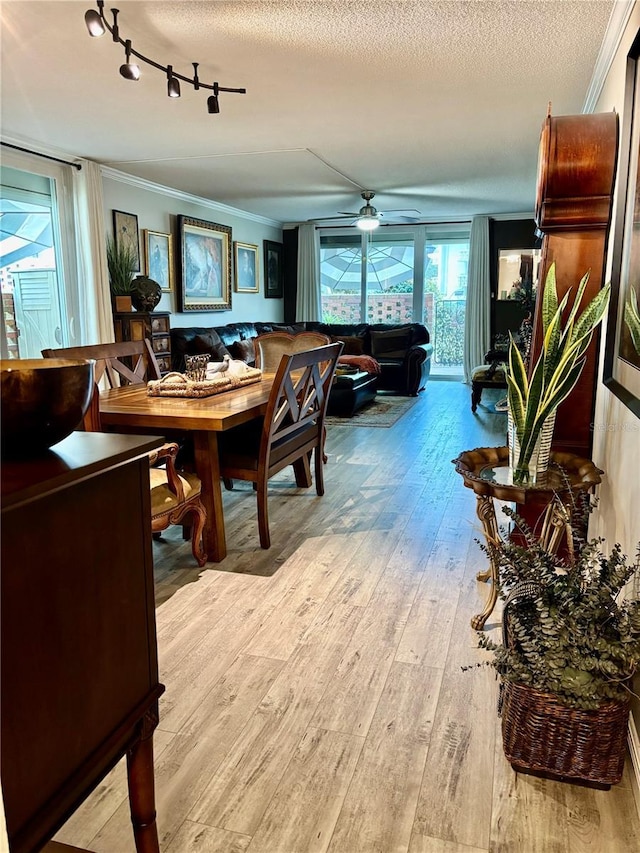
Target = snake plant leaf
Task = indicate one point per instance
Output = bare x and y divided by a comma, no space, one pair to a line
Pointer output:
592,314
549,298
576,302
632,318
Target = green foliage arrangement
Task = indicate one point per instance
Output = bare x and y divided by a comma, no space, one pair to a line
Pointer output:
569,635
121,262
632,318
558,367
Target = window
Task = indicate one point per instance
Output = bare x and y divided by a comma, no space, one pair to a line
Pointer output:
38,300
400,275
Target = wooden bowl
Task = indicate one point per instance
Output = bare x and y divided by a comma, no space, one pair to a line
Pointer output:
43,401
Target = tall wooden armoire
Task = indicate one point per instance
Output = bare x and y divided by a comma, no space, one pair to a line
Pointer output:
576,174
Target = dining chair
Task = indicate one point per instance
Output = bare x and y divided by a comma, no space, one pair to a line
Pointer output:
175,495
271,346
291,430
122,363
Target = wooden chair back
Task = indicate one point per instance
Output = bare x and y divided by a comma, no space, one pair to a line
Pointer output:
123,363
271,346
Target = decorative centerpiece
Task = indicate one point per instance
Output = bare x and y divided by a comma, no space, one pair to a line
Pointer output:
570,649
121,262
533,402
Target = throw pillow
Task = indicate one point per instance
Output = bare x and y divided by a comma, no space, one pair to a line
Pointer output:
244,350
392,343
210,343
352,345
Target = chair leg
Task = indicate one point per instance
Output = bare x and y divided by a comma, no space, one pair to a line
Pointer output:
228,484
263,514
197,529
476,395
319,467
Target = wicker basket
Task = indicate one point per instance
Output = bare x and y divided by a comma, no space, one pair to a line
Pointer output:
544,737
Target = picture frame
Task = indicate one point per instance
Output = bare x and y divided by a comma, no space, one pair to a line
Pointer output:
158,259
204,264
273,271
245,264
621,372
125,231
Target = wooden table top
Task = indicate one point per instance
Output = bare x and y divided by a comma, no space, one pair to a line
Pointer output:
132,406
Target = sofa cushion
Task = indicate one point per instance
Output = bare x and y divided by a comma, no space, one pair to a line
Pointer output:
244,350
392,343
209,342
353,345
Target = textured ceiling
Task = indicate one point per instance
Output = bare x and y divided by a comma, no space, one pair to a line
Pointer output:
436,106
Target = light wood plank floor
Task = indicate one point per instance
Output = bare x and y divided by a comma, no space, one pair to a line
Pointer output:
315,698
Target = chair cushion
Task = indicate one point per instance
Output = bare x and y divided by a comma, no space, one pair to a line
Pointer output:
488,373
353,345
162,499
392,343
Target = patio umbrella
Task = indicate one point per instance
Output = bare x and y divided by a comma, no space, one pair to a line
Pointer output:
341,266
25,230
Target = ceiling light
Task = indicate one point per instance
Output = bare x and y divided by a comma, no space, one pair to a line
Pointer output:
130,71
173,84
368,223
97,25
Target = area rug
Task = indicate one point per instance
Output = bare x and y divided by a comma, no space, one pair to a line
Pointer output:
382,412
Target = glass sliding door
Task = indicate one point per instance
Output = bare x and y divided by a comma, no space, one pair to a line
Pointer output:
37,307
398,275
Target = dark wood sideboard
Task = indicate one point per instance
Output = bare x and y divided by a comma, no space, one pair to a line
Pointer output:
79,656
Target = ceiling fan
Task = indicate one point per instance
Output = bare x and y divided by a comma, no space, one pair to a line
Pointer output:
368,217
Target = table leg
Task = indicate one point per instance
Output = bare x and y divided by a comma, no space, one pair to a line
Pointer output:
556,522
142,787
208,469
487,515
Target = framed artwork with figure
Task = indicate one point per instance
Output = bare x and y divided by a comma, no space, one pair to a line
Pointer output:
246,267
622,349
204,265
273,272
158,259
125,232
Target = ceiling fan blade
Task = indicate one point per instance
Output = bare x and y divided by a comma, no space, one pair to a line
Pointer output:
331,218
347,213
402,210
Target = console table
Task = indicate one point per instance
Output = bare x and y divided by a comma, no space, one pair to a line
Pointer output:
486,471
79,673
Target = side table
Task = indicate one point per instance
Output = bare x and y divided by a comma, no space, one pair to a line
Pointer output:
486,471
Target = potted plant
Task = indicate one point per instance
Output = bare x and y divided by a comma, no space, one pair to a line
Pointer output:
533,401
121,262
569,651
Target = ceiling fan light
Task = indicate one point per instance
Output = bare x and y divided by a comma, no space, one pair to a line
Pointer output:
94,23
368,223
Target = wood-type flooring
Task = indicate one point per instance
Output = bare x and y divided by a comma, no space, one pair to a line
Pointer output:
315,698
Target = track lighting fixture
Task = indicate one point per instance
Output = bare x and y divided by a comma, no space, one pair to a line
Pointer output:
97,25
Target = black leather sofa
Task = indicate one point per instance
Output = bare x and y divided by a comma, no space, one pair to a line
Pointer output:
403,350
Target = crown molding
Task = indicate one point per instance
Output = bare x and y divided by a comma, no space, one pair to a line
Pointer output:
219,207
618,20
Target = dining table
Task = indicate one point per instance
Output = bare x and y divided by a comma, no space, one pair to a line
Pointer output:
130,409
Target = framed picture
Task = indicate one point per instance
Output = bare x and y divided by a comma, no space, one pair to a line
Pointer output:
245,262
158,259
205,265
622,349
273,273
125,231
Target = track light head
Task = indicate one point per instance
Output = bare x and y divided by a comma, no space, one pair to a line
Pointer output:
94,23
213,104
173,84
129,70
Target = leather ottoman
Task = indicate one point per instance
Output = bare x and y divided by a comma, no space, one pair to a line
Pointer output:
351,392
